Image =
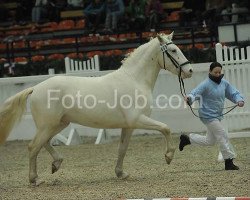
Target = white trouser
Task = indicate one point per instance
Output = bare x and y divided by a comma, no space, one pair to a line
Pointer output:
215,134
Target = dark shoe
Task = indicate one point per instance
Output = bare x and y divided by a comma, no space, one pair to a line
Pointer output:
184,140
229,165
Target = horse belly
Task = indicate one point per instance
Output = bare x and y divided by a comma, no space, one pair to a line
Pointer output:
99,117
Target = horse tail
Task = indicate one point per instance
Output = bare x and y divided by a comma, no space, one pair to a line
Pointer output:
11,112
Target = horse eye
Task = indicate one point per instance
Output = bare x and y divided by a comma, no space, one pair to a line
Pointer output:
174,50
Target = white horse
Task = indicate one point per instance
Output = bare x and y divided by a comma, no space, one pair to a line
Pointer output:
101,102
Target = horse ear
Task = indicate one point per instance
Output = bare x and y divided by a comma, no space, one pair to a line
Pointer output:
160,38
170,36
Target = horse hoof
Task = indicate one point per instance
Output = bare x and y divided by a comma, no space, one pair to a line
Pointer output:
169,156
168,160
56,165
123,175
36,183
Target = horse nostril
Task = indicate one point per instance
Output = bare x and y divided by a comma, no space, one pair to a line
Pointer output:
191,71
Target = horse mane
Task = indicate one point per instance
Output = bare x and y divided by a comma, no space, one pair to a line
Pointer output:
132,54
135,52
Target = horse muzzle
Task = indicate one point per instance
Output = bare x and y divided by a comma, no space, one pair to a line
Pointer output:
187,74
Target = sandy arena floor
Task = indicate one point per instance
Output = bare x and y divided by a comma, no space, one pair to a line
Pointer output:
88,172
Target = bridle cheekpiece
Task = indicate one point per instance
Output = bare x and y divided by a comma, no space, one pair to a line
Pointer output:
164,49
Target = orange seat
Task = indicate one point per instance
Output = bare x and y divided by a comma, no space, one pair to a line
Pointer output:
21,60
199,46
2,46
123,37
37,44
148,34
131,36
93,53
80,23
69,40
55,42
56,56
166,32
51,26
128,51
37,58
75,56
3,60
174,16
115,52
66,25
19,44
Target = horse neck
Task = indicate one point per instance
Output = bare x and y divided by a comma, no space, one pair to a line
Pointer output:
142,66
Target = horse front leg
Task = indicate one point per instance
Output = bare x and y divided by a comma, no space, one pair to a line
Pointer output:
145,122
123,146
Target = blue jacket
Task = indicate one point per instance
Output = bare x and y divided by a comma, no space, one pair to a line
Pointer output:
211,98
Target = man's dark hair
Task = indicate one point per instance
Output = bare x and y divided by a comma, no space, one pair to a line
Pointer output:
214,64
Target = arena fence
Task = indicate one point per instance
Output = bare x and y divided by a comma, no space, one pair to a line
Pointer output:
75,66
236,64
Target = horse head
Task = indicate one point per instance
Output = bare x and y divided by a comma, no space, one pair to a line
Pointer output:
172,57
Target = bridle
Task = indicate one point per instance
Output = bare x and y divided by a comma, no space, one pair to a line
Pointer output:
164,49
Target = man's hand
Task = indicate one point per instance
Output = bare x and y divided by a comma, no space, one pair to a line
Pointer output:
240,103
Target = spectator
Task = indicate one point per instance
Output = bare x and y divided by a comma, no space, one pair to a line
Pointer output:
211,15
191,12
213,9
226,10
75,4
3,12
237,8
22,12
57,7
154,13
94,13
136,14
39,11
114,12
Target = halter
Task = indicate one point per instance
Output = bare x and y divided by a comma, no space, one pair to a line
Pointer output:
164,49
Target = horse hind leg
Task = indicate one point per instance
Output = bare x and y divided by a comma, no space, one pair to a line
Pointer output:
41,139
123,146
57,158
34,148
